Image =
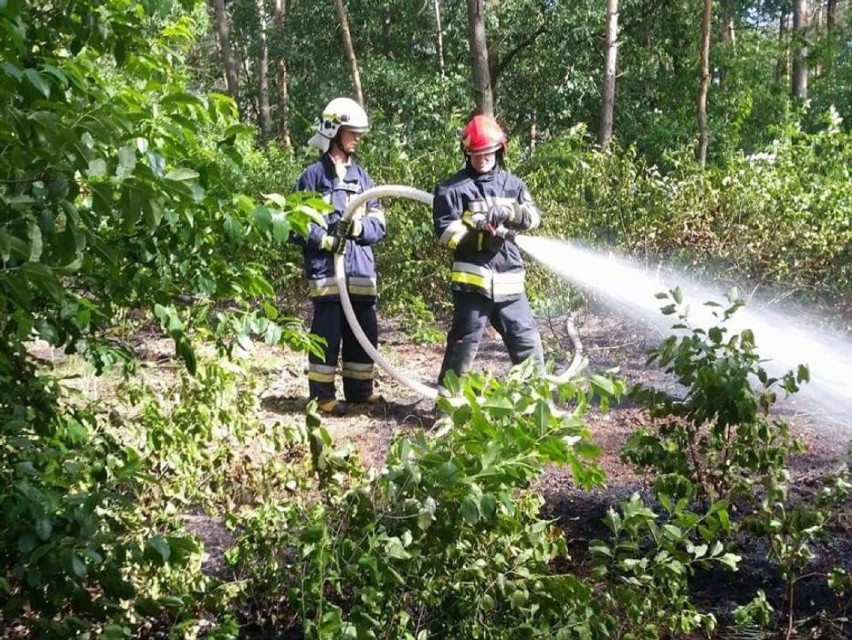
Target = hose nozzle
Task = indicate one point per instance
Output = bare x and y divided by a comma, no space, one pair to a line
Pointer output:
505,233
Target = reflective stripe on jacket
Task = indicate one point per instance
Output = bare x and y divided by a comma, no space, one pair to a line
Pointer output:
483,263
359,263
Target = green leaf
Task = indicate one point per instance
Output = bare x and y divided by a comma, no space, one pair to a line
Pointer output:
470,509
394,549
97,168
730,560
602,385
126,162
9,68
78,567
280,227
44,527
153,213
181,97
276,198
34,234
187,353
233,229
262,218
5,245
37,81
181,174
500,406
426,515
161,546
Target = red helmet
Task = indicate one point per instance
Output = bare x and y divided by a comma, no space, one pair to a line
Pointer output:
482,135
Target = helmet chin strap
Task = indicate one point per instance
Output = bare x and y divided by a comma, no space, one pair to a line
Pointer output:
335,145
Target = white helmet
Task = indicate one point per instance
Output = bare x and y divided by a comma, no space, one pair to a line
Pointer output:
339,113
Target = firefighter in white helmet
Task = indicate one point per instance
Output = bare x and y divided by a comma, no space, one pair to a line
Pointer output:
338,178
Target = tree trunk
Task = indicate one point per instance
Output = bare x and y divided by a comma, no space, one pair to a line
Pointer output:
782,66
264,113
439,37
800,63
281,72
224,39
610,65
479,57
350,50
386,32
704,83
831,14
729,40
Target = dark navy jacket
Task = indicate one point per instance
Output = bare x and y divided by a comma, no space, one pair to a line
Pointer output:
483,263
360,265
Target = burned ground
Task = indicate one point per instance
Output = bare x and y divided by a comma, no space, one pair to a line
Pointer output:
611,343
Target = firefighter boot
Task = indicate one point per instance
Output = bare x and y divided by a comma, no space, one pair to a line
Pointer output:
332,407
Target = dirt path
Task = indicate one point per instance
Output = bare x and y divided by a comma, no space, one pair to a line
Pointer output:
610,343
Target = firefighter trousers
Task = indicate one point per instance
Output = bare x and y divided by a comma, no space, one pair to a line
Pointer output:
512,319
330,323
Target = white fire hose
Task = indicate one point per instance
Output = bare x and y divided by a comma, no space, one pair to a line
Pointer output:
400,191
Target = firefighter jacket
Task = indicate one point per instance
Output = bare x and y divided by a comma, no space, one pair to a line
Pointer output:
483,263
359,262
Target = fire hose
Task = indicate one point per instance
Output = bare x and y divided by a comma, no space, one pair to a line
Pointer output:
400,191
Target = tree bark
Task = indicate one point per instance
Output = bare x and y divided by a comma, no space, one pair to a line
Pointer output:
729,41
283,86
483,95
782,66
704,83
439,37
386,32
350,50
264,113
610,65
228,61
800,63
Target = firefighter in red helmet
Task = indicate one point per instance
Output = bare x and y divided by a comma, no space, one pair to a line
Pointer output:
471,212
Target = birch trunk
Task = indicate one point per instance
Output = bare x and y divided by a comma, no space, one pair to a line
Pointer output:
264,113
800,63
704,83
610,66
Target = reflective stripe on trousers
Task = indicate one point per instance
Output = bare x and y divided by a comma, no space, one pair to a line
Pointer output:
330,323
355,285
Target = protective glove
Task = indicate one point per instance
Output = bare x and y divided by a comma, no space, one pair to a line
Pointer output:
331,242
356,227
498,214
478,221
521,216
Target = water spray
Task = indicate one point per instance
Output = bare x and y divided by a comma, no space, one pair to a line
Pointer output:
782,342
430,392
